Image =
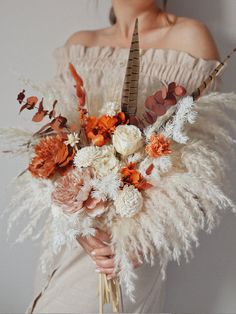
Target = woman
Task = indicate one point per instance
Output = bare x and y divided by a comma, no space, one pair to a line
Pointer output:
172,49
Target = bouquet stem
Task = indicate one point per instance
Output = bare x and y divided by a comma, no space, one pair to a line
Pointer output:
109,292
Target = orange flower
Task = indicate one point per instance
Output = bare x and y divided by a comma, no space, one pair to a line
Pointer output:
131,176
99,130
107,124
158,146
52,155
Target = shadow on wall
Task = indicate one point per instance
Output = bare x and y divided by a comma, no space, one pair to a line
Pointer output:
215,14
207,283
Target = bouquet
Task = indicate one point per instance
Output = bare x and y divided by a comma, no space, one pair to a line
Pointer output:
151,181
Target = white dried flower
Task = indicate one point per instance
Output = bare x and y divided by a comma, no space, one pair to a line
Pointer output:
111,108
127,139
73,139
106,187
86,156
106,161
102,159
128,202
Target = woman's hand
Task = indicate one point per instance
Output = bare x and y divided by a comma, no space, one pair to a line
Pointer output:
99,249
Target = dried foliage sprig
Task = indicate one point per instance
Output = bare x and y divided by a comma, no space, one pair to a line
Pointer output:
58,123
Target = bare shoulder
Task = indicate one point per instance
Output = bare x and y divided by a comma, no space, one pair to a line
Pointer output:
84,38
195,38
89,38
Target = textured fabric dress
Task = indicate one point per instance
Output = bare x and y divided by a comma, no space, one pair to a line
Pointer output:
72,285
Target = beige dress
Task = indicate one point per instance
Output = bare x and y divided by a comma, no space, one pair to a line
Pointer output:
73,286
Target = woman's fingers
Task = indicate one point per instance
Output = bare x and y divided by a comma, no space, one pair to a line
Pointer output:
103,236
104,251
107,271
95,243
84,244
105,263
90,241
104,270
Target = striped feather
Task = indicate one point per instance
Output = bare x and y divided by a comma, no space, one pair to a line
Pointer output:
130,87
212,76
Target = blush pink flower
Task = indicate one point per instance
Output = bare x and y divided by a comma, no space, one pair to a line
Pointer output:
73,193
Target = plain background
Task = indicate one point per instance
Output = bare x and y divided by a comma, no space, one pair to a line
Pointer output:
29,32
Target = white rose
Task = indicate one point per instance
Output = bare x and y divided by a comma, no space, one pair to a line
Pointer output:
127,139
106,164
128,202
106,161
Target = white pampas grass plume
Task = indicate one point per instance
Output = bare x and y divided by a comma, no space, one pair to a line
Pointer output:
15,141
184,114
106,187
27,200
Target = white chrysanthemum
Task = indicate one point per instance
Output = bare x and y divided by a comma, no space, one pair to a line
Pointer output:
106,187
73,139
128,202
85,156
111,108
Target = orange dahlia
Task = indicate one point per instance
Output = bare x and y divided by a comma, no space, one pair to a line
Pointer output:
52,155
159,146
130,176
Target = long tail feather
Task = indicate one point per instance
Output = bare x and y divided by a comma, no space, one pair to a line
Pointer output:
212,76
130,87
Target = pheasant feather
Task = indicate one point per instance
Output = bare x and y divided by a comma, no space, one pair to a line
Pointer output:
212,76
130,87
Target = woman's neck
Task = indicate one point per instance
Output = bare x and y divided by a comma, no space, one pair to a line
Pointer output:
126,13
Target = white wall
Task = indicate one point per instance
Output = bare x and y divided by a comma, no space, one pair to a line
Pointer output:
29,31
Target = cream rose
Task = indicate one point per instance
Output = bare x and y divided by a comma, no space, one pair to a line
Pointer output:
107,161
127,139
128,202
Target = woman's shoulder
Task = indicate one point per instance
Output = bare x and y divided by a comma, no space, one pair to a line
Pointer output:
89,38
194,37
182,34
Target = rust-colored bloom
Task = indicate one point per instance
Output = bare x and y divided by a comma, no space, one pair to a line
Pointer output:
159,146
52,155
99,130
73,193
131,176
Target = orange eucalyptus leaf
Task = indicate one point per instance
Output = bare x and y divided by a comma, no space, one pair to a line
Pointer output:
38,117
32,101
75,75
